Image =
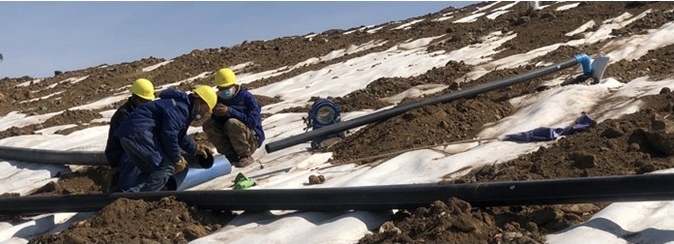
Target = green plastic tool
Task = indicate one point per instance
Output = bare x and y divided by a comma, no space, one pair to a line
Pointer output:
242,182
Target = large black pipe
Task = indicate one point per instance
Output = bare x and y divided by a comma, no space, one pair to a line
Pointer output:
382,115
649,187
45,156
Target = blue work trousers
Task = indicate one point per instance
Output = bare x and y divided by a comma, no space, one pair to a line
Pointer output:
143,153
128,174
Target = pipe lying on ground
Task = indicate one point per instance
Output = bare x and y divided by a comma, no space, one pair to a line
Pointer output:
193,176
649,187
382,115
45,156
199,170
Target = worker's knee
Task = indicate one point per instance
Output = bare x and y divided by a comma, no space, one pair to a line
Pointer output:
212,127
234,125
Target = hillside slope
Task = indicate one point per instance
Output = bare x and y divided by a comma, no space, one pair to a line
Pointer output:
369,68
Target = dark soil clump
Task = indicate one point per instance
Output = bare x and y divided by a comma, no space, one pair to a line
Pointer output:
453,221
91,180
138,221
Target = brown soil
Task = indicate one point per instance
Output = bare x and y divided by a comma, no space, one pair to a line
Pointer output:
455,221
81,118
657,64
16,131
91,180
628,145
634,144
138,221
624,146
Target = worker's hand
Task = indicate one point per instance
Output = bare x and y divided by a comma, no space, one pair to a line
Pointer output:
220,110
203,151
180,165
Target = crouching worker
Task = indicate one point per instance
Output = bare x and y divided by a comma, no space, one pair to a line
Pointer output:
142,91
154,134
235,129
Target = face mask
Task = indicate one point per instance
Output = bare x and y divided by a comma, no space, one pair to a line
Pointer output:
227,93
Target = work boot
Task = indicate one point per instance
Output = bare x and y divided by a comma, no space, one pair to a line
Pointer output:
233,158
245,162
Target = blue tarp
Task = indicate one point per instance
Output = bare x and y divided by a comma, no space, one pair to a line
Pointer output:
548,133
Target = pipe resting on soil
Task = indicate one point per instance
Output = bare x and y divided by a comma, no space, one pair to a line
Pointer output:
199,170
649,187
385,114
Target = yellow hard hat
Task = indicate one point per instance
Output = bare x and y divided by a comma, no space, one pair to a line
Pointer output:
225,77
207,94
143,88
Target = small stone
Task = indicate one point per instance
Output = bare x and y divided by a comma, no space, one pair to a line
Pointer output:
583,160
463,224
75,238
389,227
543,216
662,142
531,226
646,167
660,124
611,133
454,86
192,232
316,179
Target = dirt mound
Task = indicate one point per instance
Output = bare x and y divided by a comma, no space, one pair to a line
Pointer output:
613,147
657,64
91,180
265,100
16,131
81,118
66,90
370,97
138,221
454,221
429,125
435,124
635,144
72,117
652,20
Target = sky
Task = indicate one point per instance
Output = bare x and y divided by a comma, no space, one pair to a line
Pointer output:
631,222
38,38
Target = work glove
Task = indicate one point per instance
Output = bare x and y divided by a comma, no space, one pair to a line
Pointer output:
220,109
202,151
180,165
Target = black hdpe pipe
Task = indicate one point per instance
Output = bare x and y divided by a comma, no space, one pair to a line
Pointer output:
199,169
45,156
382,115
649,187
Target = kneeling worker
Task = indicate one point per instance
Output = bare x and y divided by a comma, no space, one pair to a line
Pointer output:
142,91
154,135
